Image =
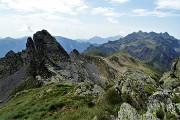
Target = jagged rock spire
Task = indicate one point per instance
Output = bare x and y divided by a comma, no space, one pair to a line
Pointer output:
47,47
44,50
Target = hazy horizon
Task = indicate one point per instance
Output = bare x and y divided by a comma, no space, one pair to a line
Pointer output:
84,38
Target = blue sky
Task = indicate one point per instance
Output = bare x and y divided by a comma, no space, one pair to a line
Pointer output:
87,18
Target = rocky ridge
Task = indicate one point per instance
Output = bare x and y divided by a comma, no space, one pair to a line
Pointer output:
44,72
44,61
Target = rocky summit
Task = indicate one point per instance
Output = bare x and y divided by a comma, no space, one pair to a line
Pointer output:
45,82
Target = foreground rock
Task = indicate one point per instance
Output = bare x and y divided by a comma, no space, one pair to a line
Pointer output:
171,80
151,102
127,112
136,87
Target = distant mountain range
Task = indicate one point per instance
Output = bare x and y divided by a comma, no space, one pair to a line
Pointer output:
156,49
69,44
7,44
18,44
100,40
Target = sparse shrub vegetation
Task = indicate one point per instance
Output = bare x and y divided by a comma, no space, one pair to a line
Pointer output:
114,58
170,116
160,113
175,99
113,97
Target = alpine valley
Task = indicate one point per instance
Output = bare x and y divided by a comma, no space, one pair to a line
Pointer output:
133,78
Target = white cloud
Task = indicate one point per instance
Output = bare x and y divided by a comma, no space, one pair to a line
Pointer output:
109,13
139,10
18,25
112,20
168,4
26,28
123,33
52,17
51,6
118,1
156,13
104,11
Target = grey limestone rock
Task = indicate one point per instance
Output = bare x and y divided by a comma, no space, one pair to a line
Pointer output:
127,112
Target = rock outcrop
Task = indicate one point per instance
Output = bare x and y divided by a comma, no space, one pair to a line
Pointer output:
136,87
171,80
44,50
159,106
127,112
48,48
155,102
23,67
12,73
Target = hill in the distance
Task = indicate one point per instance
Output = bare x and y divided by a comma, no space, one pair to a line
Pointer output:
100,40
156,49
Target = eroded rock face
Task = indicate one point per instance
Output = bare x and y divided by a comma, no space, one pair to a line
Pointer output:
49,61
10,63
12,73
30,45
47,47
43,51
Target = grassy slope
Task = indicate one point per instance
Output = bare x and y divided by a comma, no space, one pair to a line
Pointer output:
56,101
121,59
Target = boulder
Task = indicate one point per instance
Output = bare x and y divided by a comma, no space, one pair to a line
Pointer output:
171,80
135,88
127,112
